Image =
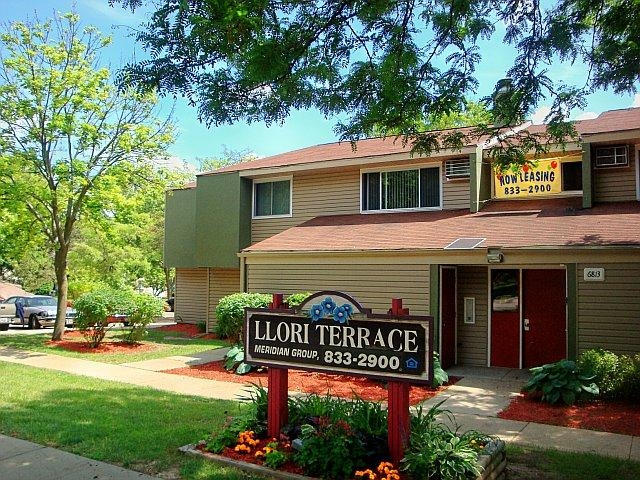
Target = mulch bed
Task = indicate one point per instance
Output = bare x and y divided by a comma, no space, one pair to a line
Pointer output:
188,330
104,347
612,417
345,386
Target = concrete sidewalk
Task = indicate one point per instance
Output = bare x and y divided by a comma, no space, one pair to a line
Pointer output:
22,460
475,402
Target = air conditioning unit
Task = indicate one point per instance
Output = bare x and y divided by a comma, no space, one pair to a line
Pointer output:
612,156
459,168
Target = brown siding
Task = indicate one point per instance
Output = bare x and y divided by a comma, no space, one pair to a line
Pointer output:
337,192
314,194
222,282
616,184
609,311
455,193
191,295
372,283
472,339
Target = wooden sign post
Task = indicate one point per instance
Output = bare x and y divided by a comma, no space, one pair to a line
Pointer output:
331,332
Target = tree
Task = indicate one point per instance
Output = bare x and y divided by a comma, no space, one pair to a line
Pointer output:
64,131
473,114
229,157
384,63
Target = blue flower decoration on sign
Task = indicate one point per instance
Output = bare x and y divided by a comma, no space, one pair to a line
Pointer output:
348,308
329,305
340,314
317,312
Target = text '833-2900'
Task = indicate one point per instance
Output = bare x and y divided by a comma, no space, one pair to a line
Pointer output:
386,348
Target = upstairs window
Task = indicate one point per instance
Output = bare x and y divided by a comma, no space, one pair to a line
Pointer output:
613,156
272,198
401,189
457,169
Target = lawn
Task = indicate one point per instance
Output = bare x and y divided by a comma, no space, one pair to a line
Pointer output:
166,344
93,418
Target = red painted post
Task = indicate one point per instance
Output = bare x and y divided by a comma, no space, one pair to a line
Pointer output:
398,405
278,391
277,407
277,301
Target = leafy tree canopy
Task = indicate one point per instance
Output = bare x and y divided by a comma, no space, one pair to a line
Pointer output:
383,63
228,157
65,131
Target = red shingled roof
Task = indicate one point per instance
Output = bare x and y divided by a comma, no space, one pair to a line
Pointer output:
510,224
331,151
610,121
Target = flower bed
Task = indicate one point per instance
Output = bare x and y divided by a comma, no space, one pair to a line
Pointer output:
322,429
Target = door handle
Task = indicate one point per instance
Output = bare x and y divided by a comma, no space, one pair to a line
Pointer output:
526,324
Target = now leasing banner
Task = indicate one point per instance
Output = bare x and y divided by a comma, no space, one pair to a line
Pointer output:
544,179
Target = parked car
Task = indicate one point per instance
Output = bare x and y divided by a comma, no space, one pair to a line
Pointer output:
39,311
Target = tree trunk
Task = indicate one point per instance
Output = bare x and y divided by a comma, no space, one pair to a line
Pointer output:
60,264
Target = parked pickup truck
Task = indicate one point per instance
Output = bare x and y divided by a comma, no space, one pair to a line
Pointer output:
39,311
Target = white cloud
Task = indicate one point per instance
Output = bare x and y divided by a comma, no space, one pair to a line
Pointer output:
586,116
636,100
540,114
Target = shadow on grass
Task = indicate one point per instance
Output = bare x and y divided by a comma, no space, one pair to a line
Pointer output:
129,426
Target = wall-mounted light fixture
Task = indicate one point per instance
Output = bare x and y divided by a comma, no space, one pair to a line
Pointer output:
494,255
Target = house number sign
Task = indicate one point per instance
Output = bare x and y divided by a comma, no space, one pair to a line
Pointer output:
332,333
593,274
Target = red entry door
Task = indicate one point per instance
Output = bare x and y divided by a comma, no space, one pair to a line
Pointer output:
544,316
505,318
448,317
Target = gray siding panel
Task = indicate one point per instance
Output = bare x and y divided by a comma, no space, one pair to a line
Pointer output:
609,311
472,338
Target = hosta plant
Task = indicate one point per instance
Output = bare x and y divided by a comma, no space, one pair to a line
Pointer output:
561,381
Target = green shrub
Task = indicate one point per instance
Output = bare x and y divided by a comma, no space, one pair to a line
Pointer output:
295,299
437,451
562,380
323,443
440,453
230,312
617,376
94,308
202,326
145,308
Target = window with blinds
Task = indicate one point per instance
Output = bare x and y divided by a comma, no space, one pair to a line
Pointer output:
401,189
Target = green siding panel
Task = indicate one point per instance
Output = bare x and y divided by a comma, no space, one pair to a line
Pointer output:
180,228
223,212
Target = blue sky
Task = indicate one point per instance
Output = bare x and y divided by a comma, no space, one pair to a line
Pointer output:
302,129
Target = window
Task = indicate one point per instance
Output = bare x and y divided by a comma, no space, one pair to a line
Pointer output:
614,156
571,176
272,198
401,189
455,169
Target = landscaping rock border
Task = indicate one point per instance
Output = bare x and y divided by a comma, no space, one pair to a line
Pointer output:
493,460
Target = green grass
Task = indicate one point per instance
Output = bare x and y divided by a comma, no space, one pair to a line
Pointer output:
168,343
134,427
526,463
